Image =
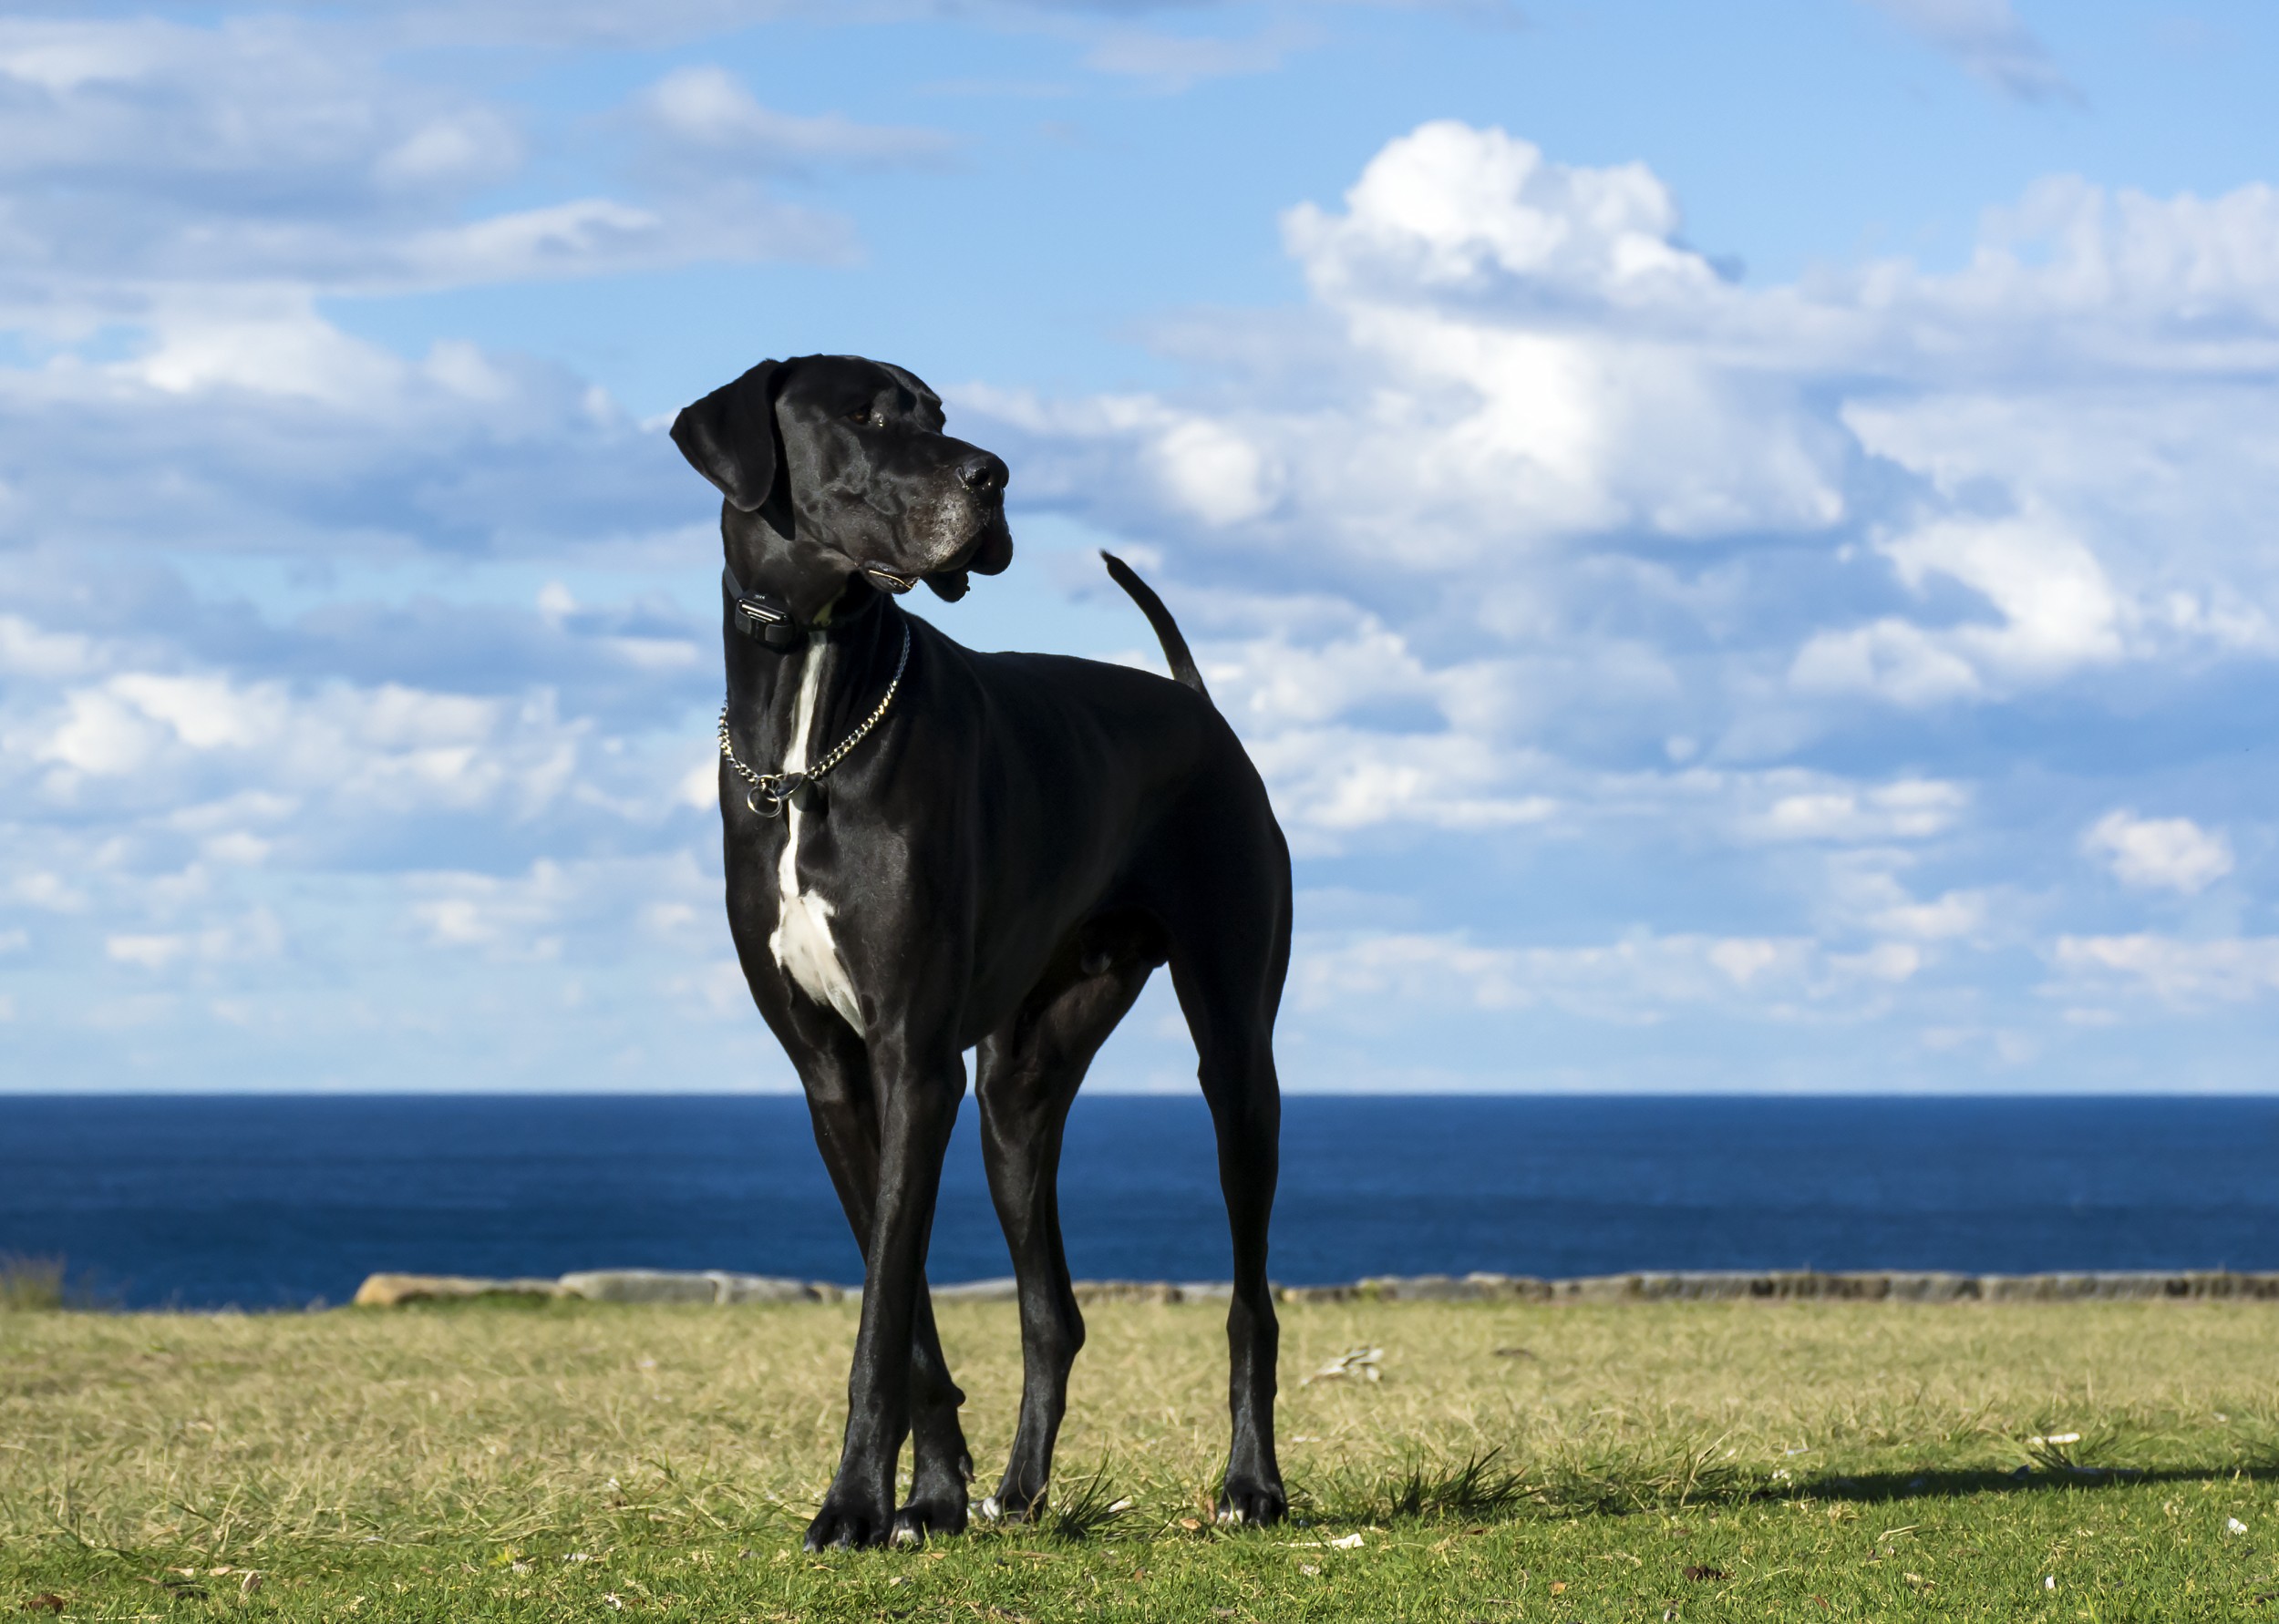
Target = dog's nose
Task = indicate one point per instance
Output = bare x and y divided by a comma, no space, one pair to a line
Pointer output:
982,472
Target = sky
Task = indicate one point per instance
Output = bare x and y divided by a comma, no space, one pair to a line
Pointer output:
1744,539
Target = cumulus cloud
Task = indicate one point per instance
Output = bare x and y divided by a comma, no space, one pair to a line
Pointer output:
386,752
142,154
2174,853
218,792
1601,547
247,423
1539,390
2054,610
1651,646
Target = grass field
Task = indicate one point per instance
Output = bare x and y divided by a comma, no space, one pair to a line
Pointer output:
1695,1461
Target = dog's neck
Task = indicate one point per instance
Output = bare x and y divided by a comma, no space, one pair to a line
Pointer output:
837,624
814,586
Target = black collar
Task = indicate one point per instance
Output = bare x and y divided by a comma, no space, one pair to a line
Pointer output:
769,619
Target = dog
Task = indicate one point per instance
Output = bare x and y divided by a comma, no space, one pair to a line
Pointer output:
929,850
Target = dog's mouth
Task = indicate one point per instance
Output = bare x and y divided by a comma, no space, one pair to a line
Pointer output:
949,585
988,553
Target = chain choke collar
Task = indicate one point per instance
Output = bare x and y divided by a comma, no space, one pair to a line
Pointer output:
767,793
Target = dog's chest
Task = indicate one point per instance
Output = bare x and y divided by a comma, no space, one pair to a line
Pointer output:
802,942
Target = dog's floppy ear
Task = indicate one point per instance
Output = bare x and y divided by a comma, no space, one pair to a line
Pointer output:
729,436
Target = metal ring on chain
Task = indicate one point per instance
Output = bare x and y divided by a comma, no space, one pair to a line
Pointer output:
777,788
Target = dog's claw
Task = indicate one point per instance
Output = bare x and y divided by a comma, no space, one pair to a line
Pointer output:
1244,1502
843,1526
921,1520
1011,1504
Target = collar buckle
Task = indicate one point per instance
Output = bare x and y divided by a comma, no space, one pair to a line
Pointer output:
756,617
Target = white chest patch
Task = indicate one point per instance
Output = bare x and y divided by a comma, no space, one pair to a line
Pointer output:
802,942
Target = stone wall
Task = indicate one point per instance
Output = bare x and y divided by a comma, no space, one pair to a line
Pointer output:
720,1286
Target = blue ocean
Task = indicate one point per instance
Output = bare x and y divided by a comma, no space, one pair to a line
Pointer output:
269,1202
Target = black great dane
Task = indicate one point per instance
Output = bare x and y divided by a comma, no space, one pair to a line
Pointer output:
931,849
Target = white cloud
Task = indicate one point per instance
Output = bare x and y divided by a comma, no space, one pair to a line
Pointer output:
707,110
1627,980
389,750
1330,782
161,781
43,889
1641,977
1519,315
2185,975
1575,580
142,156
1909,810
1213,472
1596,495
1453,206
1891,658
509,917
2173,852
245,422
27,649
256,934
1174,62
1602,549
1953,914
1987,40
2057,608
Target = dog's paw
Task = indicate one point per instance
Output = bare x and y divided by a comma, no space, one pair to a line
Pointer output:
937,1494
922,1519
846,1524
1013,1503
1249,1500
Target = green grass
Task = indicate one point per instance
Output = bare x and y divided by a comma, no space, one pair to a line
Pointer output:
29,1284
1698,1460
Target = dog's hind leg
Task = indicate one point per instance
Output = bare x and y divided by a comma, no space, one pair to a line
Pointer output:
1029,1073
840,1104
1227,964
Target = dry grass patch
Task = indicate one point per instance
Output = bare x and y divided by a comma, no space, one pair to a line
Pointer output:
437,1449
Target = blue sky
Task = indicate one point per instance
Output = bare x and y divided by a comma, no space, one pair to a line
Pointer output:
1742,538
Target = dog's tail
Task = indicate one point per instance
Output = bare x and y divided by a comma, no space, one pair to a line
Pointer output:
1166,628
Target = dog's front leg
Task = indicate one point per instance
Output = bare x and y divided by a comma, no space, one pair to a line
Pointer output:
917,1107
836,1071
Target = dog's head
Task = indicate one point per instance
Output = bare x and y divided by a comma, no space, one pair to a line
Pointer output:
848,456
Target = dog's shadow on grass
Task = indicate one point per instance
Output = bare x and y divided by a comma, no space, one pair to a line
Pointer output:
1881,1487
1477,1491
1480,1489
